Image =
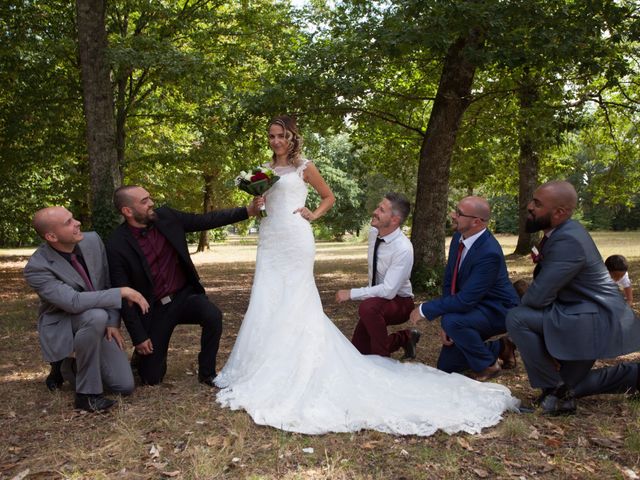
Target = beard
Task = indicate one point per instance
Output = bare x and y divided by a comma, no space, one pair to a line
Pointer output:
144,218
535,224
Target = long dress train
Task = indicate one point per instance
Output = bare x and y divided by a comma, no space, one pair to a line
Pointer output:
291,368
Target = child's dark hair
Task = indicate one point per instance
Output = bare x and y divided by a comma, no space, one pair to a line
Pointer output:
616,263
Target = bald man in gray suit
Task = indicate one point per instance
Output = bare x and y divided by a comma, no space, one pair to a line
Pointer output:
572,313
78,311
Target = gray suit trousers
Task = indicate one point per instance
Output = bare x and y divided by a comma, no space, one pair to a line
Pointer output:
525,326
100,362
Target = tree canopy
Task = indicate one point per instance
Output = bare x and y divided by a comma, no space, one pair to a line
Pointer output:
433,98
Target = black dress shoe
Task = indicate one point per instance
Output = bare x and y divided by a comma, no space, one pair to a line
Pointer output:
55,380
554,405
410,347
540,398
207,380
93,402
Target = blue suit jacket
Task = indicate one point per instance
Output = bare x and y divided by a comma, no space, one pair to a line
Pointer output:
482,283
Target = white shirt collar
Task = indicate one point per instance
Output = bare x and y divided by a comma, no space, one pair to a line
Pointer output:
391,236
468,242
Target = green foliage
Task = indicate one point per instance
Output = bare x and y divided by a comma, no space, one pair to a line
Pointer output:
339,165
104,217
41,126
195,84
626,218
427,280
504,214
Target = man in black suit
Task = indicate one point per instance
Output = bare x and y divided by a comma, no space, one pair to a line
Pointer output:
149,252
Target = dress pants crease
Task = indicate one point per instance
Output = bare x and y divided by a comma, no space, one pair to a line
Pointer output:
100,362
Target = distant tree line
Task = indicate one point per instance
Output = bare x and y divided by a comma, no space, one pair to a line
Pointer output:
434,98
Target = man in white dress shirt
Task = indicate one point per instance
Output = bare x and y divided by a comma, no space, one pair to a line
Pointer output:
388,298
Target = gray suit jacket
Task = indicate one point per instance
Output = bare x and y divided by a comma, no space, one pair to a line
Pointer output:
62,293
585,315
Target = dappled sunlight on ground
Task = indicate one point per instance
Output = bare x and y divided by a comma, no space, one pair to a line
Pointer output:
176,430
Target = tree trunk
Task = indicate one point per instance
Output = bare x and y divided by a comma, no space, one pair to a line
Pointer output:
207,206
121,119
98,111
429,219
527,165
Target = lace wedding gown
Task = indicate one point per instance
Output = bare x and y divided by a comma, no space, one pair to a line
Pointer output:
291,368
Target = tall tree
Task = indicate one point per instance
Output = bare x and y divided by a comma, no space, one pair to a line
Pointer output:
41,125
98,110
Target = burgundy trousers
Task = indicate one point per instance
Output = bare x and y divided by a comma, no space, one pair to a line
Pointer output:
370,336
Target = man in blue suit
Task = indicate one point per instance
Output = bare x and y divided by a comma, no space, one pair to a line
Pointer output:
475,298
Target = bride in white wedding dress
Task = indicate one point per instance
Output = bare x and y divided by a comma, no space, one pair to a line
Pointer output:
291,368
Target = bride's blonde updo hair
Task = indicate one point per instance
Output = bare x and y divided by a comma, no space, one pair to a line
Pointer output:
288,124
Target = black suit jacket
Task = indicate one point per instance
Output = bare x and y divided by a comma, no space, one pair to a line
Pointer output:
129,267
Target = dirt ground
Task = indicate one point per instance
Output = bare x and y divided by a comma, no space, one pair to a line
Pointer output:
176,430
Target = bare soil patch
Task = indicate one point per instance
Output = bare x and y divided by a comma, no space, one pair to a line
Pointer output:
176,430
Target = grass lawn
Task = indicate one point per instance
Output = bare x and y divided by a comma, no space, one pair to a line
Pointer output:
176,430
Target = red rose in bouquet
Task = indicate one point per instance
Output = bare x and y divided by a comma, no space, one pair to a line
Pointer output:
259,176
256,182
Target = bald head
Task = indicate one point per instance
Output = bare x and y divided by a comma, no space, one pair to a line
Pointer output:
45,219
57,226
471,216
478,207
553,204
562,195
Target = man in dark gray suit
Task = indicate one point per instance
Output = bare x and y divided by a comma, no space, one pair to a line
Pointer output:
572,313
78,311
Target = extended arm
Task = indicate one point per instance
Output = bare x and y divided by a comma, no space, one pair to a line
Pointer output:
482,278
54,291
398,272
197,222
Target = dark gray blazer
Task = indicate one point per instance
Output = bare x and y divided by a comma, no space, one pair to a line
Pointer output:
62,293
585,315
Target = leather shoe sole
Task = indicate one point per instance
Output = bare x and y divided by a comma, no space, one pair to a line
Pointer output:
410,347
488,373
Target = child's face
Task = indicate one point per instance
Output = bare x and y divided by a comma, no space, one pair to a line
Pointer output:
616,274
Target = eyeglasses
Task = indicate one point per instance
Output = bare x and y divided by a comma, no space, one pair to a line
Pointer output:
460,214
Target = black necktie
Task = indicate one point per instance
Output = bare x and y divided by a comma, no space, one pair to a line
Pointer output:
374,280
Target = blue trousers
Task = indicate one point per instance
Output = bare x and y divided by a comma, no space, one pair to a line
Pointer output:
469,330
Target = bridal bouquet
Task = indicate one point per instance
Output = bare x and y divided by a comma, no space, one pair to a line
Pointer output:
256,182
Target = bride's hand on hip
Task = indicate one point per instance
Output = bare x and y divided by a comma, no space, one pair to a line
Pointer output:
306,214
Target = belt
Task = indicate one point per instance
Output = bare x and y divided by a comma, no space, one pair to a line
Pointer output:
167,299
